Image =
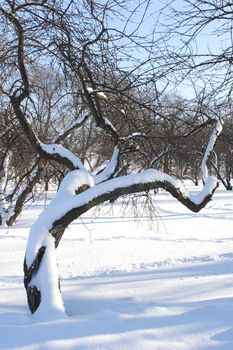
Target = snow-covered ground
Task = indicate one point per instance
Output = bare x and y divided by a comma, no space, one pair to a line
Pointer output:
129,285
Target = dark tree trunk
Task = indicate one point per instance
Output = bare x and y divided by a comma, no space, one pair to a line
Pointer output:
228,185
23,196
33,294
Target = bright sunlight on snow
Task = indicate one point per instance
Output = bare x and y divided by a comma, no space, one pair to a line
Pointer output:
126,284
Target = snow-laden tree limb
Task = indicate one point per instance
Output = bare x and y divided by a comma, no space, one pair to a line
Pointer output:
73,126
133,136
98,169
67,206
74,206
46,151
218,123
110,168
58,152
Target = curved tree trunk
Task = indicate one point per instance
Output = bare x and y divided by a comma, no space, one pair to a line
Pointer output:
40,265
41,281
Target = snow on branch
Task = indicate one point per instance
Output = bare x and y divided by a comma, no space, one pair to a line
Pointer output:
47,151
41,245
212,140
109,125
95,107
99,168
69,186
133,135
151,179
160,155
74,181
74,125
99,93
62,153
66,206
109,169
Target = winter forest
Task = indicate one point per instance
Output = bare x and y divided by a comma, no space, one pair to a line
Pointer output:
116,143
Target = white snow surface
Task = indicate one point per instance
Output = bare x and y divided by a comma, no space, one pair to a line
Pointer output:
126,284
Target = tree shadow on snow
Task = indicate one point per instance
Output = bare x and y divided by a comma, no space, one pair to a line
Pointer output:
100,315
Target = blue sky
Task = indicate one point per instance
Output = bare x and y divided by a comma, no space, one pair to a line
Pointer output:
209,40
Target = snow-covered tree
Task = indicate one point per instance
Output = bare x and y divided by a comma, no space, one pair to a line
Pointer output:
80,39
